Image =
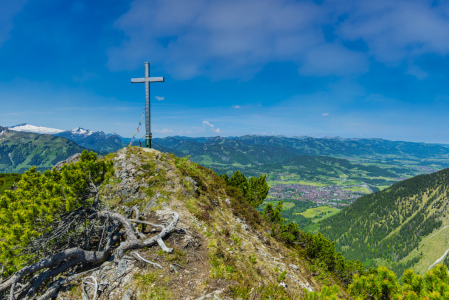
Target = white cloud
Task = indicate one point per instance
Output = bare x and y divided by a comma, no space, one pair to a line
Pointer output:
226,39
208,124
333,59
325,114
163,130
398,30
159,98
211,126
236,106
237,38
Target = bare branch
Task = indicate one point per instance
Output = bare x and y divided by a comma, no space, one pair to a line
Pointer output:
95,284
54,288
95,234
92,257
140,258
147,223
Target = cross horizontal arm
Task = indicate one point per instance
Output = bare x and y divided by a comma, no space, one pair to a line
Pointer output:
147,79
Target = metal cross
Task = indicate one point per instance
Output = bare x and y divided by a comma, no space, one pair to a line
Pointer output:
147,81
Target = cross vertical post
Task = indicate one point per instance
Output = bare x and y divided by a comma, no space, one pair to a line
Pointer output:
147,80
148,135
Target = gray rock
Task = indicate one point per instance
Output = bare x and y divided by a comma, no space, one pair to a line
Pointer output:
228,201
295,267
126,192
128,295
195,184
122,265
152,203
135,188
74,158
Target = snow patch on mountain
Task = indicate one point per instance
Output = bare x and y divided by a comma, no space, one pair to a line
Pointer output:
35,129
82,131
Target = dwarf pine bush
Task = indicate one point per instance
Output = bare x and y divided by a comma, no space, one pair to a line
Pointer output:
40,199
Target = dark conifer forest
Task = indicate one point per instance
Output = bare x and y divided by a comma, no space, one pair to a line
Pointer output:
389,224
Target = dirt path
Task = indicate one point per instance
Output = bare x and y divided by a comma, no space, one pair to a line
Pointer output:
438,260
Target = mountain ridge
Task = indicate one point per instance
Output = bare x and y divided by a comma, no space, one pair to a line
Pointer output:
396,226
21,150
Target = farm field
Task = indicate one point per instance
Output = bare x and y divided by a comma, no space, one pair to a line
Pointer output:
321,211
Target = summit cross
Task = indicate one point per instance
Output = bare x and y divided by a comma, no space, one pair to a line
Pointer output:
147,79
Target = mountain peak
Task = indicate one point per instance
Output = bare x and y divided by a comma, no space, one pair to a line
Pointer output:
24,127
81,131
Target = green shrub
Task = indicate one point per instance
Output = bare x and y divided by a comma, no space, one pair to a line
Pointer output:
41,198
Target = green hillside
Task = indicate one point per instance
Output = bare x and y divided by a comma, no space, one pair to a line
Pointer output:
403,226
21,150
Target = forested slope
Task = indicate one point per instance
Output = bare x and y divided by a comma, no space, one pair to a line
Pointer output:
390,226
21,150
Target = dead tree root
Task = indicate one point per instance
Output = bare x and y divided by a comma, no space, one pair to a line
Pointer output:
102,230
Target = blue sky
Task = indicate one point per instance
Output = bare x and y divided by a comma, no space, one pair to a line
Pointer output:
316,68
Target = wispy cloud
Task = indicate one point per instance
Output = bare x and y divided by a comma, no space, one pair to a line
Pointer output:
211,126
158,98
238,37
236,106
163,130
325,114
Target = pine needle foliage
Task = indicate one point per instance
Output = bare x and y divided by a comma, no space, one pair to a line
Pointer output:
42,198
254,189
383,284
7,181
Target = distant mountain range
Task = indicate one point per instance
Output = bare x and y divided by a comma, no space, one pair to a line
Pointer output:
368,148
95,140
255,154
21,150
